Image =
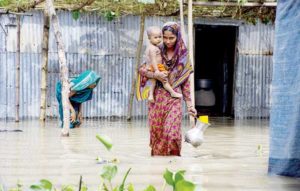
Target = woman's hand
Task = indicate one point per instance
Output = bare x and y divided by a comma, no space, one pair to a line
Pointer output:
73,116
161,76
192,111
79,117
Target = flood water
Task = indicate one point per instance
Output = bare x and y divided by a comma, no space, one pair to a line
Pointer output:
234,156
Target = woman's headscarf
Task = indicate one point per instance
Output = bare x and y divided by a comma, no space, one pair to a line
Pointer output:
179,66
80,85
82,94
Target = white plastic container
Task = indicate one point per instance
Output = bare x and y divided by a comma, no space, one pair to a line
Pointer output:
194,136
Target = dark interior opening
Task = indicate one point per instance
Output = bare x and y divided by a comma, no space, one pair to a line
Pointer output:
215,49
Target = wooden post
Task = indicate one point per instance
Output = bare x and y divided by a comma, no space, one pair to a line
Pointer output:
64,72
191,53
18,58
45,47
138,61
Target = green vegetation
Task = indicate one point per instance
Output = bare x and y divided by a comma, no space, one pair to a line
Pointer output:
109,171
112,9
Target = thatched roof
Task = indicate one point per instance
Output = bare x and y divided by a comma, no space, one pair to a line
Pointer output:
113,8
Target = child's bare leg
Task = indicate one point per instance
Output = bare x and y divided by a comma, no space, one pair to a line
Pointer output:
168,87
151,92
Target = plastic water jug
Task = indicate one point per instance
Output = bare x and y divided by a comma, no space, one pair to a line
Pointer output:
194,136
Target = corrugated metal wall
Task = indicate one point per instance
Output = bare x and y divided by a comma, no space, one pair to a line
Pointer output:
253,71
109,48
91,42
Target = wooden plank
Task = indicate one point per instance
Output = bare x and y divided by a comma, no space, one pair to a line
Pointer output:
233,4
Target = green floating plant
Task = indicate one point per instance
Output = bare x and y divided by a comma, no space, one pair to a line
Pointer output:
150,188
109,171
176,180
105,140
44,185
18,188
68,188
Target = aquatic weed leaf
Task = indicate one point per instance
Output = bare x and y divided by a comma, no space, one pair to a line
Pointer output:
14,189
46,184
168,176
130,187
105,140
83,187
104,187
179,176
121,188
109,172
184,185
150,188
68,188
35,187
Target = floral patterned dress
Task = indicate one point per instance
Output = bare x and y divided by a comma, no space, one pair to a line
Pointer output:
165,116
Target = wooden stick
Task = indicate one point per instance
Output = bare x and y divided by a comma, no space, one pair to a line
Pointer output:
14,13
35,3
45,47
18,56
138,61
64,72
191,54
88,2
233,4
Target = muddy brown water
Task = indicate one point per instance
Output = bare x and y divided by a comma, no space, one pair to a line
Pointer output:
234,156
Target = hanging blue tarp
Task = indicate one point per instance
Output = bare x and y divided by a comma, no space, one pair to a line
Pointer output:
284,156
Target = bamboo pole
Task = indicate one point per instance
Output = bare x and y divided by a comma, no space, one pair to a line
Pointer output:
64,73
45,47
182,20
18,59
191,53
138,61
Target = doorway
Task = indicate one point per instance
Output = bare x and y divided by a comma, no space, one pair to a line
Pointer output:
215,53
